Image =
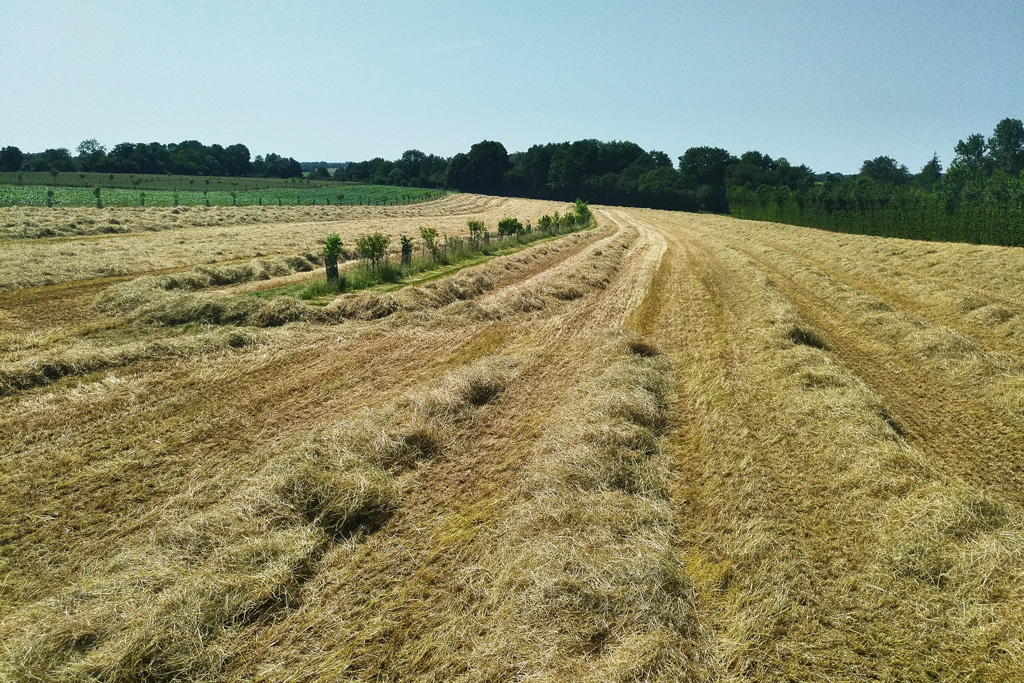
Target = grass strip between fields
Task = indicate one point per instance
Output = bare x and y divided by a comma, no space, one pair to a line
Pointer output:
320,293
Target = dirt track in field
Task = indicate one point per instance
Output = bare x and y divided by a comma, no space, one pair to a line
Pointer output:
676,446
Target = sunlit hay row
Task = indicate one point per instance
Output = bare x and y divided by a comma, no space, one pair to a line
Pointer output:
836,522
169,607
45,368
584,582
151,612
945,353
143,302
997,270
126,296
28,263
202,277
589,271
979,286
34,222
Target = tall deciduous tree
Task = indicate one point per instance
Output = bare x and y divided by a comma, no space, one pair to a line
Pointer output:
11,159
886,170
705,166
1007,146
972,154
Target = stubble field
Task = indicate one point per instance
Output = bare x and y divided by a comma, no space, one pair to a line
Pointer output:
671,447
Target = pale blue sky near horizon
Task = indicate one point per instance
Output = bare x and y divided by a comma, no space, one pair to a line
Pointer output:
827,83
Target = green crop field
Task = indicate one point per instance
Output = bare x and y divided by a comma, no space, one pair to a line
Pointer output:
297,194
143,181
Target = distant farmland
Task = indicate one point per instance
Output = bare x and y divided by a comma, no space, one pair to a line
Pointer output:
671,447
298,194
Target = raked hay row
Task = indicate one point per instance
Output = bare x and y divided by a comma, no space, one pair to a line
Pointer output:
668,447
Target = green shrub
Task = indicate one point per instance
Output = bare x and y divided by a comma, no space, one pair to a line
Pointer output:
332,250
429,236
509,226
476,230
583,214
406,250
373,248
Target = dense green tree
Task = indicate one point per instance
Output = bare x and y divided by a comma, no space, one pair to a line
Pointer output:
236,160
484,168
886,170
972,154
705,166
1007,146
660,159
58,159
11,159
319,173
929,174
89,154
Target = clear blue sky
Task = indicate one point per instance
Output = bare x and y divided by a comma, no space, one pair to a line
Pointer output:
826,83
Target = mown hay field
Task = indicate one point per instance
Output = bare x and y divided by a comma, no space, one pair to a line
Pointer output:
671,447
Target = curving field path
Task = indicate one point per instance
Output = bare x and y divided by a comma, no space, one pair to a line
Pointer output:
672,447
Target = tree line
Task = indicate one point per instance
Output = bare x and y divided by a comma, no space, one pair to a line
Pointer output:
979,199
616,172
189,157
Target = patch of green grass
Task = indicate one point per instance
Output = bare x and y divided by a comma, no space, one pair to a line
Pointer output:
391,276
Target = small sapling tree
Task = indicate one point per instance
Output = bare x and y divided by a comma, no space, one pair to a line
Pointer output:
544,223
99,199
54,172
406,250
332,250
174,197
373,248
142,199
583,214
429,236
234,198
509,226
476,230
49,197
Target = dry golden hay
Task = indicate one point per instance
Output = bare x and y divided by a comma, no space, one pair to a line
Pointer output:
807,467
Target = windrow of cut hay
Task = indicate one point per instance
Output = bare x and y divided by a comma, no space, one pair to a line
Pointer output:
148,301
42,262
44,368
583,579
37,222
171,606
824,544
432,300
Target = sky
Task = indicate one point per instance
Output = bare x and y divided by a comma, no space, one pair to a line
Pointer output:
827,83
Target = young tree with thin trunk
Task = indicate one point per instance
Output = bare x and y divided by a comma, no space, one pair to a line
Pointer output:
332,250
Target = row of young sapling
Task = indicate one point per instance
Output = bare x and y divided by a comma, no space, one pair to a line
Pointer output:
434,251
175,198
